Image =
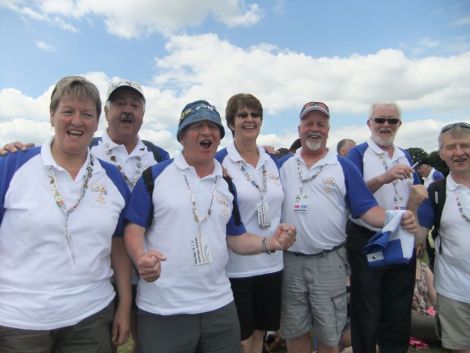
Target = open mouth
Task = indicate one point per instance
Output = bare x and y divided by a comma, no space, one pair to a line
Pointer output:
313,136
75,133
205,144
249,127
127,119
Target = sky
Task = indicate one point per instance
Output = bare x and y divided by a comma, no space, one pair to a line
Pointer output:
348,54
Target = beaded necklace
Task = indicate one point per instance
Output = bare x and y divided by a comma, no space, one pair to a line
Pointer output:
60,202
304,180
459,206
252,180
138,164
396,197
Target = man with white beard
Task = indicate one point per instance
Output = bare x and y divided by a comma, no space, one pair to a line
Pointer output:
321,189
381,297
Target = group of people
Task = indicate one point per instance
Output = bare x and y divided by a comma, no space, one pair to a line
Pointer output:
73,217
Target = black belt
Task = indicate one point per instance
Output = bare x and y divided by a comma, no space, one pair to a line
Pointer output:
321,253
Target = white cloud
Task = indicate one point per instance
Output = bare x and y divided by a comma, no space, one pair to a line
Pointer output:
129,19
207,67
44,46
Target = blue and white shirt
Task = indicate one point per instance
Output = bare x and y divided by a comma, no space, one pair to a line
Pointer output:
185,287
335,192
248,198
41,288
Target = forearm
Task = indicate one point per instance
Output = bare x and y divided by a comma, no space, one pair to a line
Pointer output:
134,241
248,244
121,265
374,217
376,183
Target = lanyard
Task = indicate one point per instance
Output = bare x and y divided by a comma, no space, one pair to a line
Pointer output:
138,168
252,180
306,179
397,197
197,218
60,202
459,206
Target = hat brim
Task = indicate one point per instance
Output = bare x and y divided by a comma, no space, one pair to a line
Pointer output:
314,109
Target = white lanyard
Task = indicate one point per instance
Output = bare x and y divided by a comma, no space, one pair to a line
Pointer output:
60,202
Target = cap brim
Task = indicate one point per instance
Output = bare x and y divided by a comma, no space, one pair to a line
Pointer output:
314,109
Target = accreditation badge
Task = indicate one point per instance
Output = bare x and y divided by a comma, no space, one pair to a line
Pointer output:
263,215
201,251
301,204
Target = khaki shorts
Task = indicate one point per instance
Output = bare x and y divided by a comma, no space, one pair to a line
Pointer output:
314,295
453,323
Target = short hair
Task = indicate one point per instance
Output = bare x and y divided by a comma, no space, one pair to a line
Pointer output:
457,130
384,104
295,145
342,143
238,101
75,86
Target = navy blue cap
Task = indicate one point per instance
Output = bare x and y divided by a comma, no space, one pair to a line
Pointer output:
198,111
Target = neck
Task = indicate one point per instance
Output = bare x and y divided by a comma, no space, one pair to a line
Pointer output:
129,143
311,157
248,151
71,163
387,148
202,168
462,178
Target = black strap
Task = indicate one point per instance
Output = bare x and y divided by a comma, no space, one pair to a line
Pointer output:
437,195
148,180
235,212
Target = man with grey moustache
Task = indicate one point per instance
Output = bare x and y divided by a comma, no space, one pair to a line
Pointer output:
320,190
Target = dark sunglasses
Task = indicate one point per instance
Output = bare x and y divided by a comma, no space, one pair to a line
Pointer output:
383,119
244,115
451,126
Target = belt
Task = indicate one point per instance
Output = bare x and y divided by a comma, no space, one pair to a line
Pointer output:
321,253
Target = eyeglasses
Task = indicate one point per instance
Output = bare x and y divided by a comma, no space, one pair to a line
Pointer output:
244,115
383,119
451,126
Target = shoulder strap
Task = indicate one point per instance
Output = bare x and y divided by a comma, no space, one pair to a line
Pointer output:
148,180
151,147
95,141
236,212
437,195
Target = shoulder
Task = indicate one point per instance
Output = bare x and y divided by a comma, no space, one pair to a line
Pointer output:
220,155
159,153
284,159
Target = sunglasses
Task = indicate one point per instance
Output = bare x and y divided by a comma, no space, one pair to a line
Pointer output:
451,126
244,115
383,119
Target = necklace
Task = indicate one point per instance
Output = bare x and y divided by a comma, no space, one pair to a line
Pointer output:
60,202
396,197
312,177
197,218
252,180
138,168
459,206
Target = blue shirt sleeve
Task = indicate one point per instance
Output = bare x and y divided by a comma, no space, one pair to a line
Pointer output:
426,214
358,196
140,208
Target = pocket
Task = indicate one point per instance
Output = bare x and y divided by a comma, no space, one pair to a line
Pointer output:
340,303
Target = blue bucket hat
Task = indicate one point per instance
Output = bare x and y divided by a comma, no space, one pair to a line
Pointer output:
198,111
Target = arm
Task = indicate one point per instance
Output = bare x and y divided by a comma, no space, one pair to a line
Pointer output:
432,295
15,147
418,193
250,244
397,172
122,275
375,217
148,263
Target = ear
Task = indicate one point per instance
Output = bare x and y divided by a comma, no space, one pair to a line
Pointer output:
106,112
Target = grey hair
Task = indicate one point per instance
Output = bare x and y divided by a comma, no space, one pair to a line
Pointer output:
455,131
384,104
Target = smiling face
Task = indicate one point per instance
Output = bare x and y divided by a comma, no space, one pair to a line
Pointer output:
381,125
75,120
454,150
200,142
247,124
124,112
313,132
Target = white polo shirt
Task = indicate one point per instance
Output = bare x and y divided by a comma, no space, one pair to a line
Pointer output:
373,161
185,287
452,267
41,287
248,197
131,164
432,176
336,191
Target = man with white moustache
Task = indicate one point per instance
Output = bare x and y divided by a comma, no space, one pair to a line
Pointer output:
321,189
381,297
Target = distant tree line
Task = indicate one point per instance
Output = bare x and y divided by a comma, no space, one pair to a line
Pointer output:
433,159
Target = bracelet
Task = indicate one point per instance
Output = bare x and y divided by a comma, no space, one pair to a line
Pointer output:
265,246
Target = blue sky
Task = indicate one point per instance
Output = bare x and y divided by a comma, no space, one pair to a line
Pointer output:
348,54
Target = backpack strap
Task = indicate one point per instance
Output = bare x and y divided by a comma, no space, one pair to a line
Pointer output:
437,195
235,212
148,180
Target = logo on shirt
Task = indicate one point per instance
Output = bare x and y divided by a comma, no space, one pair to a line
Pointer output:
101,193
226,209
328,184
